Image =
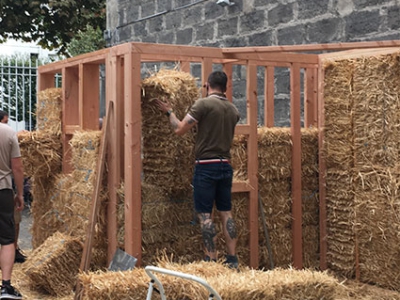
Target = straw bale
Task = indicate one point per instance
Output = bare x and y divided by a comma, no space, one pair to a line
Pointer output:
337,148
165,153
85,149
239,157
48,111
41,153
274,153
376,111
309,151
247,284
311,246
54,265
377,226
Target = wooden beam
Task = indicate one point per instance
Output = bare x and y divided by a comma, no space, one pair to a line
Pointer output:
310,98
314,47
241,186
206,69
323,245
114,171
133,159
89,96
284,57
177,50
70,129
252,162
357,53
242,129
227,68
95,202
269,96
295,129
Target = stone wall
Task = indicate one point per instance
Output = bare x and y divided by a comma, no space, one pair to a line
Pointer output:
253,23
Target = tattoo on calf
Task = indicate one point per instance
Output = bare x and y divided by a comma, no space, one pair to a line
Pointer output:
174,124
190,121
209,232
231,228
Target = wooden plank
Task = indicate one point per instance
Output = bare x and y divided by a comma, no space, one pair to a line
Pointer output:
89,96
45,81
95,202
310,99
227,68
357,53
206,69
316,106
114,171
314,47
285,57
323,245
295,129
252,161
121,111
184,66
133,160
269,96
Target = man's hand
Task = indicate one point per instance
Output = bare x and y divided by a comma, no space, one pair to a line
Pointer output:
19,202
164,106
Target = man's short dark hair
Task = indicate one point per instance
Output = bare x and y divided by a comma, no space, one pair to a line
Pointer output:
218,80
2,115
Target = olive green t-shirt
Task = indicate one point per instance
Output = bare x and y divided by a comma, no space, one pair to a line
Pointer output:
9,148
217,118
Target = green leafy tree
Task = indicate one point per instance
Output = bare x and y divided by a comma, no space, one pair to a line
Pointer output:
86,41
52,24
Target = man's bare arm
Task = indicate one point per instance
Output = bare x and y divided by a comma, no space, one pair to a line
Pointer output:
181,127
18,172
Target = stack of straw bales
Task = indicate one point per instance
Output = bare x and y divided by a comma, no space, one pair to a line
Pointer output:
362,116
247,284
53,266
165,153
41,152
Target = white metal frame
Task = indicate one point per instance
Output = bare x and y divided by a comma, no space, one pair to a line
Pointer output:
150,269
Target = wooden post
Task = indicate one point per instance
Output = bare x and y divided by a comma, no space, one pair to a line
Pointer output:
45,81
133,159
269,97
114,171
310,98
322,171
296,165
252,161
206,69
185,66
229,89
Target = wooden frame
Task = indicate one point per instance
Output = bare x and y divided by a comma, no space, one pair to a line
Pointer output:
123,63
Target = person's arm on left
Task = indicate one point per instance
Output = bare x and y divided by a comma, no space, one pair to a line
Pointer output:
179,127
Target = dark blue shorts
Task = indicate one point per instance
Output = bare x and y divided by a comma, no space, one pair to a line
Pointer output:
212,182
7,224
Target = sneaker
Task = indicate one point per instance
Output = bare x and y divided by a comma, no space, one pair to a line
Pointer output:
19,256
208,259
9,292
232,262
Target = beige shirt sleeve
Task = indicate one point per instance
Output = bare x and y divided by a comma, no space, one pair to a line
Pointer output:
15,151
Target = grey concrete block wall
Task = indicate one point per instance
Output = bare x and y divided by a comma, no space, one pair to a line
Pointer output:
253,23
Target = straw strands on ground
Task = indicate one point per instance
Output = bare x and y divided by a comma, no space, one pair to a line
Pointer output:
41,153
247,284
48,111
165,153
53,266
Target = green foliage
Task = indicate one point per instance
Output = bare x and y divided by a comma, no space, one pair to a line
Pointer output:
86,41
52,24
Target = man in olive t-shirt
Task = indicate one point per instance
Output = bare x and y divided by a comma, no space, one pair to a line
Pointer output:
216,118
10,164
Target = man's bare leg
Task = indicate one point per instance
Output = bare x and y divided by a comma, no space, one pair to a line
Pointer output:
209,234
7,256
230,231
